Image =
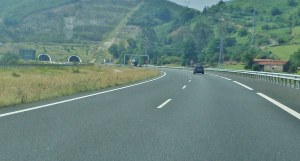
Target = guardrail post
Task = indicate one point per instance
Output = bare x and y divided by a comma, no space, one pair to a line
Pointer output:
266,78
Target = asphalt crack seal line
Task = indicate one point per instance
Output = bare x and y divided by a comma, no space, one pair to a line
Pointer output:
285,108
78,98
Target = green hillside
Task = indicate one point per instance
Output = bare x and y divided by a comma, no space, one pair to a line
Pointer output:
167,32
275,20
61,21
18,9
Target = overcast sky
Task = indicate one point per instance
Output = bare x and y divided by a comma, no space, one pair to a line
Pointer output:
197,4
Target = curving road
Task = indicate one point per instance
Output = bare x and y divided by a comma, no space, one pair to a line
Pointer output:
177,117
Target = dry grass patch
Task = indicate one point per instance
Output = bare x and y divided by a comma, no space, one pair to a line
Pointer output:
24,85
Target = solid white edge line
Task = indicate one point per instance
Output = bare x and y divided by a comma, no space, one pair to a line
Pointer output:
243,85
285,108
183,87
78,98
165,103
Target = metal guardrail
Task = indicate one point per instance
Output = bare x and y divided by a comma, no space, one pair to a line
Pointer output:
289,80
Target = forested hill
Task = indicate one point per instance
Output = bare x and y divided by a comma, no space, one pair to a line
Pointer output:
250,29
169,33
61,20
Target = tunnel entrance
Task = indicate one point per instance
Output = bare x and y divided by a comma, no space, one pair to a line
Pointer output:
74,59
45,58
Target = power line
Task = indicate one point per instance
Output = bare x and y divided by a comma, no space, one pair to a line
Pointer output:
254,26
187,3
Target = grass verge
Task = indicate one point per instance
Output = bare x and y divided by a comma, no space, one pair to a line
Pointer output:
284,52
234,66
31,84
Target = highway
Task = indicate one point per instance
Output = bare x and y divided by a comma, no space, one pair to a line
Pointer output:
176,117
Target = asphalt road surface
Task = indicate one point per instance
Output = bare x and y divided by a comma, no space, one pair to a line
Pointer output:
177,117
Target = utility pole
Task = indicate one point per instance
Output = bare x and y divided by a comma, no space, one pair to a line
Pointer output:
254,26
222,37
187,3
221,53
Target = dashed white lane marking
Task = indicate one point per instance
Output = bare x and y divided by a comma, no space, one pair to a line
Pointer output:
183,87
77,98
164,104
285,108
243,85
225,78
190,81
220,76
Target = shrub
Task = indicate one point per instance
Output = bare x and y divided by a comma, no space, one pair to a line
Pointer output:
14,74
242,32
275,11
265,27
292,3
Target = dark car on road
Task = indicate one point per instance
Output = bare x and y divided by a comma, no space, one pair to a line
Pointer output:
198,69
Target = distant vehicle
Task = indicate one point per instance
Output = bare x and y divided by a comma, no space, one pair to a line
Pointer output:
198,69
135,62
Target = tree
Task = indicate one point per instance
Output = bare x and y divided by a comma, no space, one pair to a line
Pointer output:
205,11
164,14
295,61
114,50
189,52
242,32
187,15
230,41
148,41
248,57
292,3
9,59
275,11
131,43
202,33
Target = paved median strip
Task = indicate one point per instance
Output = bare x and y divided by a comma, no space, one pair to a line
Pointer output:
164,104
285,108
243,85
